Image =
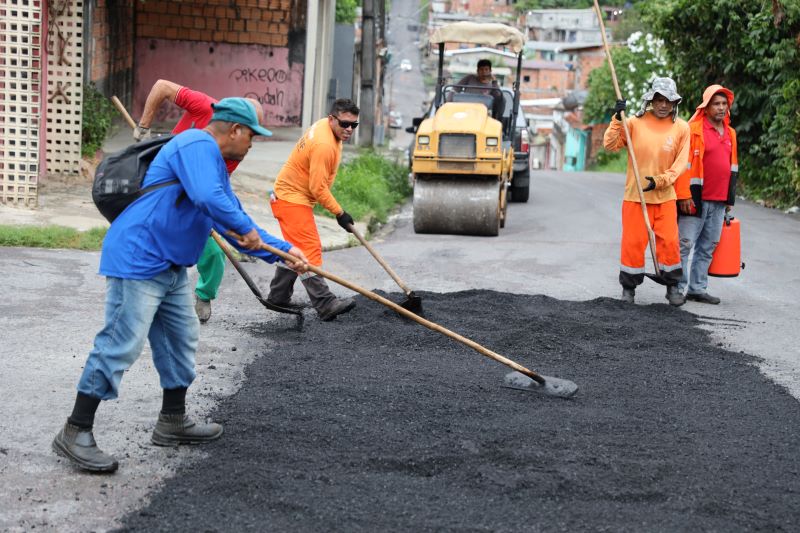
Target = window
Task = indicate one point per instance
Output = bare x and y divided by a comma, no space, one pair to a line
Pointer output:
526,79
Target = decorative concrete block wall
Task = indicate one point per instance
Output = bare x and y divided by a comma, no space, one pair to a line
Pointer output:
20,105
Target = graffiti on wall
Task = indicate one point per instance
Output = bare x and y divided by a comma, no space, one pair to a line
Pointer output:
220,70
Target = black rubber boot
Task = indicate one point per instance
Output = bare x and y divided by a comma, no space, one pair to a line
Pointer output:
281,289
628,295
174,429
78,445
327,305
674,296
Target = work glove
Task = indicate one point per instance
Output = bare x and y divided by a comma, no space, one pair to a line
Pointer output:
141,134
345,220
619,107
651,185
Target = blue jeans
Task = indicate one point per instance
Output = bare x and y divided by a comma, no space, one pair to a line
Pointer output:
159,309
701,233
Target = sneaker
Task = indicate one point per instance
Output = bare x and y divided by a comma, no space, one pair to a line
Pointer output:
78,445
203,309
172,430
675,296
628,295
703,298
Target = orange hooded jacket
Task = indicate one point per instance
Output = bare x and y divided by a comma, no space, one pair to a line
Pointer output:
689,185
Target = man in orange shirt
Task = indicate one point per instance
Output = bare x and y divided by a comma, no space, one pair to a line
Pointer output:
661,142
305,180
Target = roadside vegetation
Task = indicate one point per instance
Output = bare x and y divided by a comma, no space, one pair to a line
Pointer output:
52,237
369,187
97,117
611,162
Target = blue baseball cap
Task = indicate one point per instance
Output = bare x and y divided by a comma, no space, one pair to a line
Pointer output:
240,111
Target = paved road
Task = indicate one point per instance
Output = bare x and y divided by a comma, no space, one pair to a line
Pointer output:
405,92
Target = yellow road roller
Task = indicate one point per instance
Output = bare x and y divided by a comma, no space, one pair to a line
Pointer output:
463,157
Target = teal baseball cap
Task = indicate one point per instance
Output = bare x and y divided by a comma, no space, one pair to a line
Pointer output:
240,111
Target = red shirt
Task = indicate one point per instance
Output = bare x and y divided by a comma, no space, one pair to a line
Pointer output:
198,112
716,162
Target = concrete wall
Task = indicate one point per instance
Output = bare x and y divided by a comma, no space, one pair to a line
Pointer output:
253,48
109,45
221,70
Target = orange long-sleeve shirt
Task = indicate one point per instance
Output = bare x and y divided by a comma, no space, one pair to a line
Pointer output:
662,152
308,175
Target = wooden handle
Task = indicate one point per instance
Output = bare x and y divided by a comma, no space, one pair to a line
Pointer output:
123,112
408,314
650,235
380,260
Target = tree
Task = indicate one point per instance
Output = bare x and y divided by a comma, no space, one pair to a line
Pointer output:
751,48
346,11
637,63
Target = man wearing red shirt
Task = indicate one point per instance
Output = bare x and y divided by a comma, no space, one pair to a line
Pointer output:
707,190
197,114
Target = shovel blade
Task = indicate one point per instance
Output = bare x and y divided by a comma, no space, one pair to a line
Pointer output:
413,303
280,308
557,387
658,279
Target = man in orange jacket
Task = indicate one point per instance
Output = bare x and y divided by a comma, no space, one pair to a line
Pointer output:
707,190
305,180
661,143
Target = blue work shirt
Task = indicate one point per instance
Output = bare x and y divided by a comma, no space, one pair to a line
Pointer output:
157,231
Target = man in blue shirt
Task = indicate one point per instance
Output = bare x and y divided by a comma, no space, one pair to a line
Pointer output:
144,258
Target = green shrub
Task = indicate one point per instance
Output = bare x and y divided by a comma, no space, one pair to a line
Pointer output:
611,161
52,237
369,186
97,115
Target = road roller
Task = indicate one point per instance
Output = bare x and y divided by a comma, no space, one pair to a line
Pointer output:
462,160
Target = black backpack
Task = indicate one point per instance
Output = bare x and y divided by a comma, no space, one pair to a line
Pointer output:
118,179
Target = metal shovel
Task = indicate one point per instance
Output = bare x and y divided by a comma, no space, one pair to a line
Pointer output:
412,302
247,279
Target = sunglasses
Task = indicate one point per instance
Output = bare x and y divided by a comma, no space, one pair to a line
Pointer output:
346,123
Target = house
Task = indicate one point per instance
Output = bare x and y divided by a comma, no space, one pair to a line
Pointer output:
276,51
545,79
569,25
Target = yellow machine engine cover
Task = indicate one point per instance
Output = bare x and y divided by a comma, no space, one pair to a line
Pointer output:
461,139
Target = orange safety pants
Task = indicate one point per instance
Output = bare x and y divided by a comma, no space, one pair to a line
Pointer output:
664,221
298,228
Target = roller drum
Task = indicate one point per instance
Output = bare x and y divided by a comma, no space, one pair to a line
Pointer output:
457,206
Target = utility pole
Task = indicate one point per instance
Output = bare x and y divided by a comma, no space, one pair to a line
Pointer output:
367,100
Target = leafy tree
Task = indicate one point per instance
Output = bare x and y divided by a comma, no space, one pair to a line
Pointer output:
753,49
346,11
636,64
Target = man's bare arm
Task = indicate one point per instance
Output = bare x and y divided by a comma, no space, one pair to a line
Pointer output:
162,90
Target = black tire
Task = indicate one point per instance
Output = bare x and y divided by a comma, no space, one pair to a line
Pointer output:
520,187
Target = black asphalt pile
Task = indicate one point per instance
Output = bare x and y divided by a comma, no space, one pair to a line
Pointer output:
374,423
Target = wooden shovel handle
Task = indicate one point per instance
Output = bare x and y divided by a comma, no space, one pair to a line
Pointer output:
379,259
123,112
408,314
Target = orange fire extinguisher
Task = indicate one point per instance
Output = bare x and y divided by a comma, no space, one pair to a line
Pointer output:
727,259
